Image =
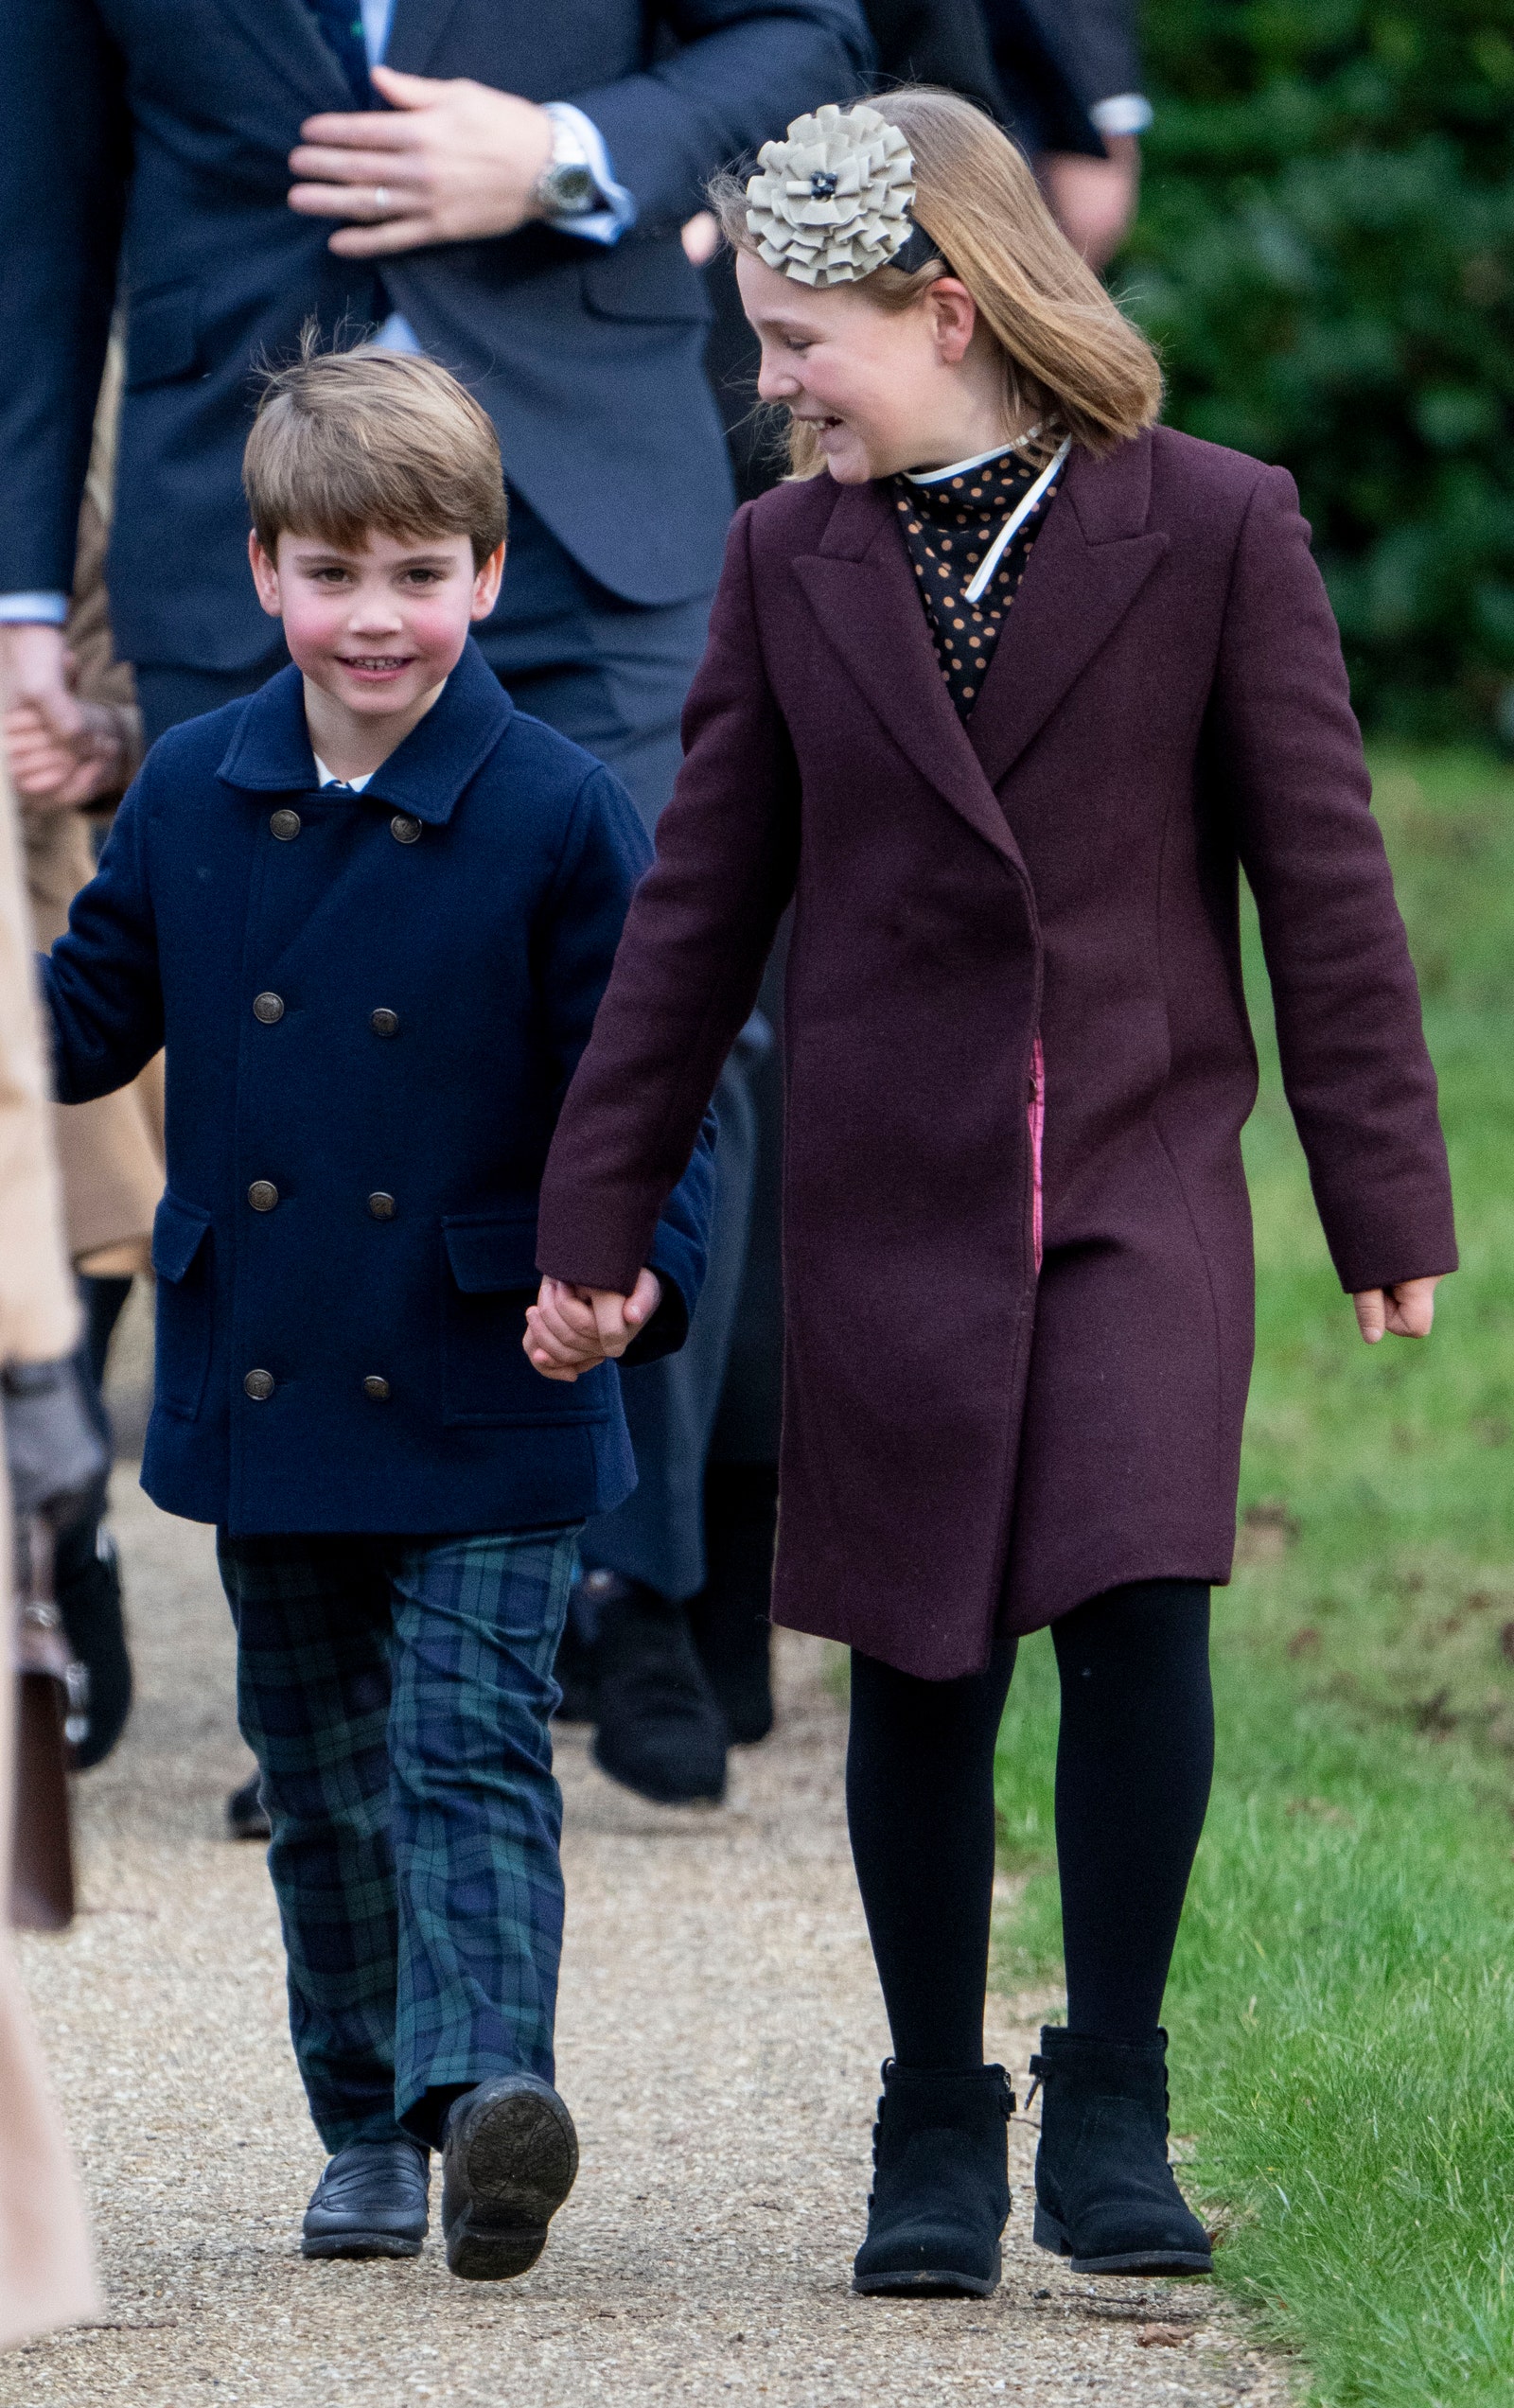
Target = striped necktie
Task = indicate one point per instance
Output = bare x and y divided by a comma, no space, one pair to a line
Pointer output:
340,28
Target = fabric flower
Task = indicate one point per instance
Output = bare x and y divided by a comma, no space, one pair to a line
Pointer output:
832,201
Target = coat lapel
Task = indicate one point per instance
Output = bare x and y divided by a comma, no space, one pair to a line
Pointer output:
416,29
287,34
1087,567
862,591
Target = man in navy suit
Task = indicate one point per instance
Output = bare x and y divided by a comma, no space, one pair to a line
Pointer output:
505,193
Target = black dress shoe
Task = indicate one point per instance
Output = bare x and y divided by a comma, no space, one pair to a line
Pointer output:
369,2203
730,1616
246,1815
1105,2195
940,2185
87,1582
661,1729
509,2159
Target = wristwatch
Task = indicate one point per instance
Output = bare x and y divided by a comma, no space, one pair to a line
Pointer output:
566,186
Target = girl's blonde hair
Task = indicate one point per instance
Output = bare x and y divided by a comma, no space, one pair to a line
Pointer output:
1071,358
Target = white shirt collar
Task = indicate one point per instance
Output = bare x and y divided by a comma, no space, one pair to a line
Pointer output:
979,460
329,778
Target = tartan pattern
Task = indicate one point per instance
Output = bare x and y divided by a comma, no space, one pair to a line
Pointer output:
397,1694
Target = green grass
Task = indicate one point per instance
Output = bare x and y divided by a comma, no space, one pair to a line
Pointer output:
1342,2006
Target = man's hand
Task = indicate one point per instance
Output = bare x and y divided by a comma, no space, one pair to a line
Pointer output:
570,1330
1407,1311
1093,200
447,161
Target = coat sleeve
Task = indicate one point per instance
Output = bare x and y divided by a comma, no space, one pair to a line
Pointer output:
1355,1065
101,982
64,134
738,71
607,852
690,963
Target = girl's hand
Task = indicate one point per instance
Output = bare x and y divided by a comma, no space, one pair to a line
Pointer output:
570,1330
1406,1310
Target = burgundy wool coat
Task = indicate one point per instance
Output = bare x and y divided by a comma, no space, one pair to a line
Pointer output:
966,1438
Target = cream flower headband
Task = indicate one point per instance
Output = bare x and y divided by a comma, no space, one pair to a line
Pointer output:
832,201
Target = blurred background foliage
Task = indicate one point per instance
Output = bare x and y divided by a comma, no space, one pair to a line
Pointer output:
1324,254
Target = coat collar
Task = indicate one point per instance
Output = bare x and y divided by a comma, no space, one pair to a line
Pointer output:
269,752
1087,567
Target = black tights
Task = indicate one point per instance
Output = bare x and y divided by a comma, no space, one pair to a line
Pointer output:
1134,1756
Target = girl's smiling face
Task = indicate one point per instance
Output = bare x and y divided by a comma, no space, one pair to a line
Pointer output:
883,388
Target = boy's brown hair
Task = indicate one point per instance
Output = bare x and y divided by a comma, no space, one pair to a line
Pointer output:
347,443
1070,354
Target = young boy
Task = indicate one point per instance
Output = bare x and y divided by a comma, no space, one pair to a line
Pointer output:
371,911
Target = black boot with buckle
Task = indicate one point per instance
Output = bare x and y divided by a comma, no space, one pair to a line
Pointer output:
1105,2195
940,2183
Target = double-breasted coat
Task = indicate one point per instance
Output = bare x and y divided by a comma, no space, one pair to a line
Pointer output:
1167,706
372,1005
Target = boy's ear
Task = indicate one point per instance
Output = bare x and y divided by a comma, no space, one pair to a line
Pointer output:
487,584
265,576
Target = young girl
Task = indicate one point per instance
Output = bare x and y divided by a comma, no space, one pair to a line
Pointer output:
1004,688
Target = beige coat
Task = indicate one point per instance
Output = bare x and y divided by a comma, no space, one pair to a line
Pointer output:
46,2276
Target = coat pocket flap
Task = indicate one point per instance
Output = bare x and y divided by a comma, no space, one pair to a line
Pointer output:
492,1254
163,336
177,1231
650,280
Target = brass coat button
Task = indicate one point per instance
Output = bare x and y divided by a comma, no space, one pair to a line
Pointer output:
268,1007
403,828
375,1389
384,1023
286,826
260,1386
262,1195
380,1206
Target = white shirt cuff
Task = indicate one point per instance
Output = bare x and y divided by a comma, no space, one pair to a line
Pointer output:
598,225
1127,113
33,609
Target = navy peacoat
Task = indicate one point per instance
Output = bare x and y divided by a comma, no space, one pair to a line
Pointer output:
372,1006
1167,705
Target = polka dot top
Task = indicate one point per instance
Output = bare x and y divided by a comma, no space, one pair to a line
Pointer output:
950,520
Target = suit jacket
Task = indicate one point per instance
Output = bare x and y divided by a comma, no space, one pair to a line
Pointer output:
1166,705
372,1005
148,140
1058,59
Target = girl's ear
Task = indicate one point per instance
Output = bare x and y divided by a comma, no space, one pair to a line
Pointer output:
953,318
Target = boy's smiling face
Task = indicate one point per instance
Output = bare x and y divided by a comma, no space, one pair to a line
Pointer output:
377,630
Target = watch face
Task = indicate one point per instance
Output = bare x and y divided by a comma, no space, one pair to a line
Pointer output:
570,188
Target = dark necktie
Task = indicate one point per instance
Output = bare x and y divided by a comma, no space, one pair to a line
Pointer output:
341,27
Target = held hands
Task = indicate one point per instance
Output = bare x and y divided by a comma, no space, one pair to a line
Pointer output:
571,1329
61,752
1404,1311
447,161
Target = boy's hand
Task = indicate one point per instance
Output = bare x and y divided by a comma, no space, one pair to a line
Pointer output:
1404,1311
570,1330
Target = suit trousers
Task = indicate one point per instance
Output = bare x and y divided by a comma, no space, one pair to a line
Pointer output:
613,675
397,1694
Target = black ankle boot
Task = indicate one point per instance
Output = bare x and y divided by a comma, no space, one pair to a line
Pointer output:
728,1618
1104,2193
940,2183
661,1729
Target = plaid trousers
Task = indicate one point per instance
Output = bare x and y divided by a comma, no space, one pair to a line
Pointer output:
397,1695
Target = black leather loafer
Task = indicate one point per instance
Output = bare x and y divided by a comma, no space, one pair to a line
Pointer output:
508,2162
369,2203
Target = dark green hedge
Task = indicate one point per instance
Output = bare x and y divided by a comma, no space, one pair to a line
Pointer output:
1324,254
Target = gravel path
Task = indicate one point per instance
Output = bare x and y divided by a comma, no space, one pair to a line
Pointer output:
718,2043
